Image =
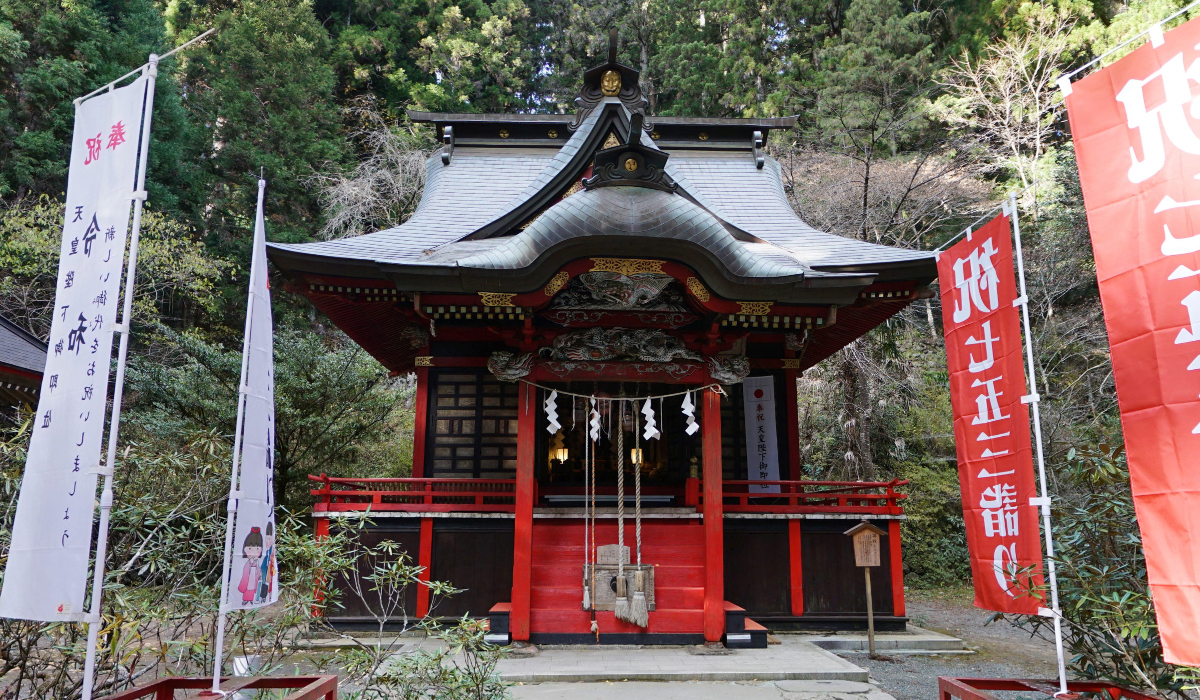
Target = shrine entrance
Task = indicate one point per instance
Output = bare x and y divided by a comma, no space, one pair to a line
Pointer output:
559,259
667,461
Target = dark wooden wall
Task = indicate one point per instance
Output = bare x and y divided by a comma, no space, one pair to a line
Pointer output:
757,567
348,606
474,554
832,583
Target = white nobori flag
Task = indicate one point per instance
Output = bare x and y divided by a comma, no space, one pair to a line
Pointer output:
251,570
47,569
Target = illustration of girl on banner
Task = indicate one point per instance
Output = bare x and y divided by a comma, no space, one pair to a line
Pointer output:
252,550
267,567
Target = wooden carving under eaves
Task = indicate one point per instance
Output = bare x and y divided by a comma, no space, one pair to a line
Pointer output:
631,164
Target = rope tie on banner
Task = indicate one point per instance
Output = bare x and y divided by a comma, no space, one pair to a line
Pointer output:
1001,207
1153,32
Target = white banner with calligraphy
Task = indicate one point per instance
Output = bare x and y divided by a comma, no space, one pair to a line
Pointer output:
252,574
762,447
47,569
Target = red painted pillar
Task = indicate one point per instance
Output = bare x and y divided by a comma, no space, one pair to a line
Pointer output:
714,527
420,423
897,566
796,567
320,532
523,528
793,424
424,560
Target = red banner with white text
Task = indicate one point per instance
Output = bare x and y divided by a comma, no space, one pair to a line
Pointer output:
991,423
1136,126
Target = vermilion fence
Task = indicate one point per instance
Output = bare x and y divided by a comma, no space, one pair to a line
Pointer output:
864,497
976,688
305,687
426,495
336,494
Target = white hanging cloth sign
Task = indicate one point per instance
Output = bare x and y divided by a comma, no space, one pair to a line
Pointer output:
594,424
47,569
651,430
552,424
252,574
762,447
689,410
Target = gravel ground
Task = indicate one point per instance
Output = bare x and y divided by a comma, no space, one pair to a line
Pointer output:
1002,650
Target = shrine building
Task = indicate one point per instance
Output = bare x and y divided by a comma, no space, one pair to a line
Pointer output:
652,264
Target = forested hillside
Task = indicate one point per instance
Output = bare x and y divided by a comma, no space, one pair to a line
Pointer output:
914,120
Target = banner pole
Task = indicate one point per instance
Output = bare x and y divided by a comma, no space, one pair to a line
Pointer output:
106,495
1033,399
231,507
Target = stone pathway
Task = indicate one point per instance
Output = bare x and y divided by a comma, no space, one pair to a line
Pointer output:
701,690
794,659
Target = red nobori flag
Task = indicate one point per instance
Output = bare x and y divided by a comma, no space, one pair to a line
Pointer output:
1137,138
991,424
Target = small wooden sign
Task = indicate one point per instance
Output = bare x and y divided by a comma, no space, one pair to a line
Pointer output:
866,543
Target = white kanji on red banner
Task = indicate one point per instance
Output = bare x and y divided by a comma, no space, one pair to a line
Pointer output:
991,424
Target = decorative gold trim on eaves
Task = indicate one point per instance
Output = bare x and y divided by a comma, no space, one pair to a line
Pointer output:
626,266
556,283
697,289
496,299
791,363
423,361
755,308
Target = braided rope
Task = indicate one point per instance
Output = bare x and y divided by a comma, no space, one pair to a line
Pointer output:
715,387
620,496
587,552
594,551
637,486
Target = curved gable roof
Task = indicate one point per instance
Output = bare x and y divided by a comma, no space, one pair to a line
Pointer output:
486,192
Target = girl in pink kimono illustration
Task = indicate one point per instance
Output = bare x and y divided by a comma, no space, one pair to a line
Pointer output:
252,550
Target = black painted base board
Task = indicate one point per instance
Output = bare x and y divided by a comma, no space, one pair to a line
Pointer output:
551,638
816,623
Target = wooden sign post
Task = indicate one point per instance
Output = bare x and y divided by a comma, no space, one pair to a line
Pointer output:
866,554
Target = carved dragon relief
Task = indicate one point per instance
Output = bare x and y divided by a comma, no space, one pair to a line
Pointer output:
645,344
615,291
585,348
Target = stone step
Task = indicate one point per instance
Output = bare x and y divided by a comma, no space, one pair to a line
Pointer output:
914,640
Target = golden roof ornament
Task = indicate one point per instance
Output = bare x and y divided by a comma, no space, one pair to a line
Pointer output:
610,83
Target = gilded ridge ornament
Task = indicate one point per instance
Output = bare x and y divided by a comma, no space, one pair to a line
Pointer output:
496,299
697,289
626,266
754,308
610,83
556,283
630,164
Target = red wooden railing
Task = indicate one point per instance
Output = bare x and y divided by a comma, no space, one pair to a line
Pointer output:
425,495
340,495
306,687
864,497
976,689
